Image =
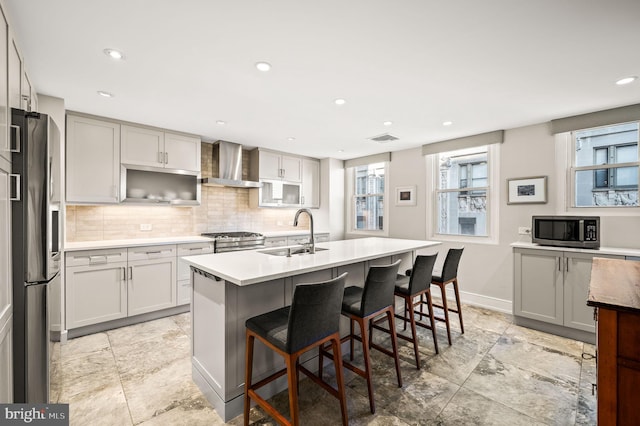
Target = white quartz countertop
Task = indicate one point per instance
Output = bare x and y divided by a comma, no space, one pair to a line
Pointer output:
133,242
616,251
252,266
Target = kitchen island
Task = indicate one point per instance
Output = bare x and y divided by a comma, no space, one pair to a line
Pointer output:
229,288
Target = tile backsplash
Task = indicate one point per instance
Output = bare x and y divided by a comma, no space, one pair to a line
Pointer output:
221,209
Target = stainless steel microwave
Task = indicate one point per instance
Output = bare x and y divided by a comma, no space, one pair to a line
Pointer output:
566,231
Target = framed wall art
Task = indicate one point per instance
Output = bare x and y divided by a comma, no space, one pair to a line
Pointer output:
406,195
531,190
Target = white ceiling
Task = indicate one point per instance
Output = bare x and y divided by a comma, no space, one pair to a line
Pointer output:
483,64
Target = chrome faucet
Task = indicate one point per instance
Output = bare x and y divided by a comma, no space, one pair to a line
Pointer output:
312,242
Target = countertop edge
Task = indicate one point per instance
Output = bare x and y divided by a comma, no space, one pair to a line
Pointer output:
602,250
192,261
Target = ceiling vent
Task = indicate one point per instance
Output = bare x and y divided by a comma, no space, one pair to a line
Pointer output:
384,138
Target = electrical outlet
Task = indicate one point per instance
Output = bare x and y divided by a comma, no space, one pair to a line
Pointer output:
145,227
524,230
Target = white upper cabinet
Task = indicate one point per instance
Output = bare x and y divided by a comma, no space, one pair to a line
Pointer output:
182,152
93,160
154,148
15,76
310,183
5,149
279,166
142,147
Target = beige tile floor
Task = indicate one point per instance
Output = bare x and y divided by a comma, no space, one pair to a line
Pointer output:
496,373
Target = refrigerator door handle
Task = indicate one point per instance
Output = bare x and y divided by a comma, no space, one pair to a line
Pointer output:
15,194
17,139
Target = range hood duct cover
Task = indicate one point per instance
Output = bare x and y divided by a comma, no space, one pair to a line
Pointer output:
229,173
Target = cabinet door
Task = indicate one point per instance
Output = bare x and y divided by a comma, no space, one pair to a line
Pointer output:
538,289
27,104
6,362
310,183
152,285
15,76
95,294
270,165
182,152
291,168
577,275
5,244
142,147
93,160
5,150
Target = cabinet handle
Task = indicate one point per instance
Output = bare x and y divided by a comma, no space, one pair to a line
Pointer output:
124,273
17,139
566,260
15,194
166,158
130,272
160,157
559,264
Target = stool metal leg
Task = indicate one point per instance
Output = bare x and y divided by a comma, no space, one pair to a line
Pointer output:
337,362
364,333
394,343
457,293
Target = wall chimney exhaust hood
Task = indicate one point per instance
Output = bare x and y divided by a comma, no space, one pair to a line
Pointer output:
228,172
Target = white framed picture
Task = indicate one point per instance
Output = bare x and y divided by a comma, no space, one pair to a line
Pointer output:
531,190
406,195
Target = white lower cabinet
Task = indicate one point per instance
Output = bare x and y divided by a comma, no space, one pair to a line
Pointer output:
152,279
109,284
552,286
6,362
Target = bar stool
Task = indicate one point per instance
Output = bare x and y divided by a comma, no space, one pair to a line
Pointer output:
449,275
362,305
416,283
312,320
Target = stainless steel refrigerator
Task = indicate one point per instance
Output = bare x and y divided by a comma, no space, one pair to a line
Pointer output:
36,255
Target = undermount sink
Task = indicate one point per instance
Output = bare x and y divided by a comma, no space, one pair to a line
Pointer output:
290,251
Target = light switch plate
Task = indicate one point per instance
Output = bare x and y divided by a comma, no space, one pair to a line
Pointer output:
145,227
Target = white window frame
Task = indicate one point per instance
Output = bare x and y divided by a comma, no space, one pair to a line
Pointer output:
493,200
351,197
566,194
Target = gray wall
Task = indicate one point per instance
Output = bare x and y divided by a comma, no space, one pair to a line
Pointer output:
486,270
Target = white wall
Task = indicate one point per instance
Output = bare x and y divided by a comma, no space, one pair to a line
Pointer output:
486,270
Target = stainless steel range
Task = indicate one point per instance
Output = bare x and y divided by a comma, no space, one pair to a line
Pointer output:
235,241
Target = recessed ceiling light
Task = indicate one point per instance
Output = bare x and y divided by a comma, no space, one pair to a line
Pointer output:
340,101
447,123
263,66
388,123
105,94
221,122
341,150
291,139
626,80
114,54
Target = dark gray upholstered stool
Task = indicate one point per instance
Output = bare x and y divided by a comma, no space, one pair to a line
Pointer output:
416,283
449,276
312,320
363,305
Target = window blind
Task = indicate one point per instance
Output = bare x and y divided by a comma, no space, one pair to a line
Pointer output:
465,142
596,119
369,159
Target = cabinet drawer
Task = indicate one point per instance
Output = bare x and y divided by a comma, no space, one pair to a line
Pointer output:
192,249
96,257
151,252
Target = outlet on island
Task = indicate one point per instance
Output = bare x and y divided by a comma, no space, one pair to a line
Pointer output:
145,227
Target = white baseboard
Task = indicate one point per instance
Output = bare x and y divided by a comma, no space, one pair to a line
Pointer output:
482,301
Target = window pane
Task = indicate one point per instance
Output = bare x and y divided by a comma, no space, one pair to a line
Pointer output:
627,154
626,176
591,141
369,179
455,167
602,178
369,213
462,213
588,195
